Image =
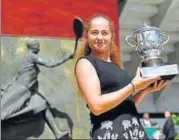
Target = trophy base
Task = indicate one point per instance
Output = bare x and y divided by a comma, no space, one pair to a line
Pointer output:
152,62
166,72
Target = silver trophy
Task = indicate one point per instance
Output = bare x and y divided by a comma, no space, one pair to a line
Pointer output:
148,42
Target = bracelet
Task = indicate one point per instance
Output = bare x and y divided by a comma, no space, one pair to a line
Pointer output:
134,90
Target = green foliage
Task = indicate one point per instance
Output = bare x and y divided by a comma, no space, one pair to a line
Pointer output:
177,137
175,118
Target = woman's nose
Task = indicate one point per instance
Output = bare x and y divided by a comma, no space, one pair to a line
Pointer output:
99,36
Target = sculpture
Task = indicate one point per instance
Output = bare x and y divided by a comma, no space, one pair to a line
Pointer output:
22,95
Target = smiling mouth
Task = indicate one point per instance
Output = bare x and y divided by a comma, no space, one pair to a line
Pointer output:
100,44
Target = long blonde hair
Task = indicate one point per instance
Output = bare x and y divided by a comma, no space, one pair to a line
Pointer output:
85,50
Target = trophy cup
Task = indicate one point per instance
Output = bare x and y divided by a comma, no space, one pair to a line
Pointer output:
148,42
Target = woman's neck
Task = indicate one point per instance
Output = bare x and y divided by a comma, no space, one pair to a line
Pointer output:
103,56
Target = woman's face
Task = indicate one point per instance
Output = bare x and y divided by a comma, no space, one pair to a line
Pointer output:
99,35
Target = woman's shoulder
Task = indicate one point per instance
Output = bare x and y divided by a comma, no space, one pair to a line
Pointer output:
86,62
86,59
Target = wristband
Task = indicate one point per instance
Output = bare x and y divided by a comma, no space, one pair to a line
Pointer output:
134,90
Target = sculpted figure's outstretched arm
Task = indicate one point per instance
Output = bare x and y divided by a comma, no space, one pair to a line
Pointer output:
53,63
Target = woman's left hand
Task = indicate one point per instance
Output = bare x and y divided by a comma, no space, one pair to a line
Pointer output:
156,86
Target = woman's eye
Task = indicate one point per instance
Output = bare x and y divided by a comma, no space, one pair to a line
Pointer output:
105,33
94,33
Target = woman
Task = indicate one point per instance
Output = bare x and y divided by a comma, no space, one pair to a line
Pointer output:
106,87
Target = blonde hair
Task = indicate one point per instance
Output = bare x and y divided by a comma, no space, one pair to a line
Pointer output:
85,50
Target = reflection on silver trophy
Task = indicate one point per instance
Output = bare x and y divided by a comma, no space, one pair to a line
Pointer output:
148,42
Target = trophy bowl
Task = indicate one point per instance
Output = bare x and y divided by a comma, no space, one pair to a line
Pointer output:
148,42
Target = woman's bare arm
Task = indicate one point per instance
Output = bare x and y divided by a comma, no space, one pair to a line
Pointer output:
89,85
139,96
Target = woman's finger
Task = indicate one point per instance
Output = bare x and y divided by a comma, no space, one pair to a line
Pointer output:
161,83
165,84
155,85
152,79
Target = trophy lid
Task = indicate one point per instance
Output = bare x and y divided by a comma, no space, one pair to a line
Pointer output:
146,27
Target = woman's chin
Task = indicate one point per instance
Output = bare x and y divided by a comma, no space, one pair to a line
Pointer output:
101,48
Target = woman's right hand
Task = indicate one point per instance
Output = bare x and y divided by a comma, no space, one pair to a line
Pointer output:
141,83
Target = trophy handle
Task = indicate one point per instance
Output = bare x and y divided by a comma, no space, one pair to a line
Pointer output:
167,38
127,38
